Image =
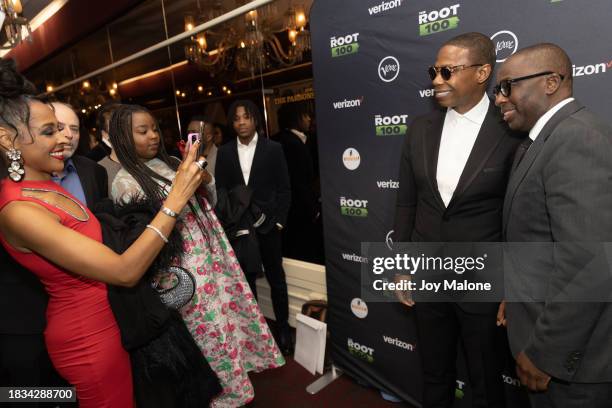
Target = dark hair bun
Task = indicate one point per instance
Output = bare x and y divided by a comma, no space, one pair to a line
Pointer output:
12,83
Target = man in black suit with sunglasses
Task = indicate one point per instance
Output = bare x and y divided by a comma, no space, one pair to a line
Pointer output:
454,169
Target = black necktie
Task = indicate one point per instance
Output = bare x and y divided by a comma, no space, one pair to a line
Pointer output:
520,152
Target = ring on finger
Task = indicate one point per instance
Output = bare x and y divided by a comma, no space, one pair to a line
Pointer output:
200,164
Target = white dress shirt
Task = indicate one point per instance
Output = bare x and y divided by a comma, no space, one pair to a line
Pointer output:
458,137
245,155
299,134
539,125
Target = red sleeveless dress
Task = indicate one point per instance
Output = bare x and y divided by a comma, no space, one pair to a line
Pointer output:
82,335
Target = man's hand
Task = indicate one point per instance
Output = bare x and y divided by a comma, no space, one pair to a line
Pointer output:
530,375
404,296
501,314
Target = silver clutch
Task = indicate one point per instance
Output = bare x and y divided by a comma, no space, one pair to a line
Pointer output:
180,294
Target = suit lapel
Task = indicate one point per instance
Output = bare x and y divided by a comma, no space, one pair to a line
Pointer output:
258,159
235,161
489,137
517,177
86,181
431,148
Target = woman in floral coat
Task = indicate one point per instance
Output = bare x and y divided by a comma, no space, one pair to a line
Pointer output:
223,316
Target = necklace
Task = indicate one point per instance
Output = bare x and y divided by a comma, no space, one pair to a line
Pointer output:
59,207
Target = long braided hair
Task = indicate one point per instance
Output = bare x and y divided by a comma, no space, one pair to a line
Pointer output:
121,136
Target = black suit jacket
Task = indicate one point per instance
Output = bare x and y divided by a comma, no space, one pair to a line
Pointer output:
94,179
269,178
23,300
474,213
301,175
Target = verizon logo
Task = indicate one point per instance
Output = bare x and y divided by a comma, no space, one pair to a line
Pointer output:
384,6
398,343
388,184
348,103
354,258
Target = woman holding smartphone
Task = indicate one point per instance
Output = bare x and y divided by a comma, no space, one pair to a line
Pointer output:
49,232
223,317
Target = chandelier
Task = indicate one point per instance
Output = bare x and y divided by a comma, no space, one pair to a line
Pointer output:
264,39
15,26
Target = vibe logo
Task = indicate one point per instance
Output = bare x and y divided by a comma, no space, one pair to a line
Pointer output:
351,158
388,69
506,44
435,21
384,6
389,240
344,45
361,351
352,103
588,70
391,125
398,343
353,208
359,308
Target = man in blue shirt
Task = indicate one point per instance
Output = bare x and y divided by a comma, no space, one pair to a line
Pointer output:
83,178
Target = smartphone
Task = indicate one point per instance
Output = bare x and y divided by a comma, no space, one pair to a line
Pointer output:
192,138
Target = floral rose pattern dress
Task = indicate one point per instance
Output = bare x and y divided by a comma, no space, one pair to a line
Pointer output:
223,316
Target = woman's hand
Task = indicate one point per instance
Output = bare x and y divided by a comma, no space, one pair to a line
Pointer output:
188,178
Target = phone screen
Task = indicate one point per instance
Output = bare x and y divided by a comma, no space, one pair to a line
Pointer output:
192,138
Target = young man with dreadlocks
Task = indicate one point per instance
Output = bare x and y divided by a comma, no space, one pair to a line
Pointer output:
254,161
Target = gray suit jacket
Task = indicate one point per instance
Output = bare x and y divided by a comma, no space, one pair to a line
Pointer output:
559,199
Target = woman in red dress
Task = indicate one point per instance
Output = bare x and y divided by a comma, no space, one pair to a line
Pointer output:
52,234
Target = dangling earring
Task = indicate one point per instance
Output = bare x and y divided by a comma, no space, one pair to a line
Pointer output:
16,170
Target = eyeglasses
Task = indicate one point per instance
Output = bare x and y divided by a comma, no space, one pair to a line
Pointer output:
505,86
447,72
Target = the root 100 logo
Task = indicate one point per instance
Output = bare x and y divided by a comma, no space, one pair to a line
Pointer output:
431,22
344,45
361,351
391,125
353,208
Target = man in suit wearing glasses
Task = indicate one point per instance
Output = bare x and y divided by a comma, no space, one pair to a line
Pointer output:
560,323
454,169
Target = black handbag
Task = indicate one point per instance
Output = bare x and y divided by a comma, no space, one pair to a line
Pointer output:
180,294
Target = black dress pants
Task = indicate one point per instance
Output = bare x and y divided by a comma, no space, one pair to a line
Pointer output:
440,326
270,247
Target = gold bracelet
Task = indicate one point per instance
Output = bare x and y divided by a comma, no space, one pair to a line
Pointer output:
158,232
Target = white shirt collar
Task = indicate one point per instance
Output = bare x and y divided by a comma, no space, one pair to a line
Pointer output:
539,125
475,115
252,143
299,134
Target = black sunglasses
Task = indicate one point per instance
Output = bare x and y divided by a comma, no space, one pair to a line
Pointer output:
447,72
505,86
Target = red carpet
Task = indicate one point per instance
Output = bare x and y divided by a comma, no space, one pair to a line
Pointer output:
285,387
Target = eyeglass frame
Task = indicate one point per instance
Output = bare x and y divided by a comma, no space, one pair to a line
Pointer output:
451,69
497,89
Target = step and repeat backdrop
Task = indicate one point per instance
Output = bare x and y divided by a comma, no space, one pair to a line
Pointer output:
370,60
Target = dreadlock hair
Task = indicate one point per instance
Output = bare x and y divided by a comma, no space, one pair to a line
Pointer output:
16,93
122,139
251,109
